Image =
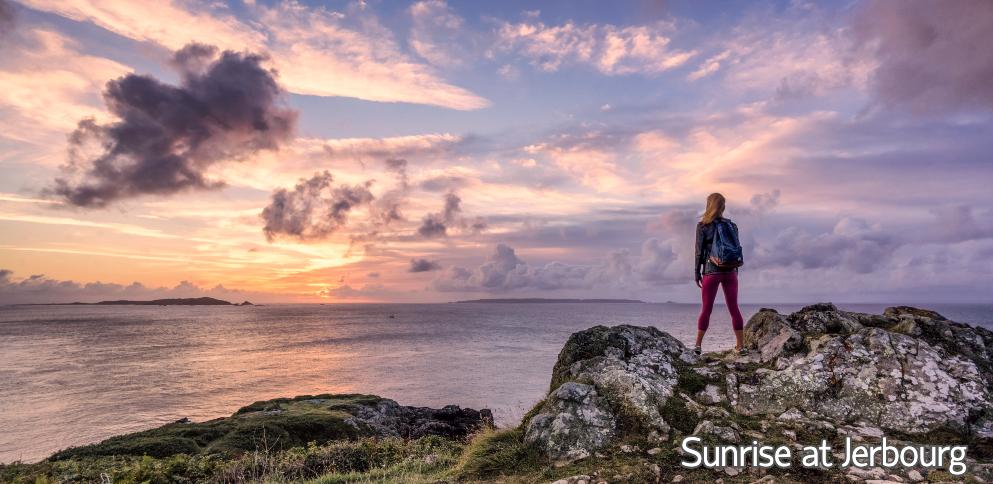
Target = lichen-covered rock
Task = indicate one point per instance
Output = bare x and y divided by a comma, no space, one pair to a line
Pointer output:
851,371
721,433
607,382
771,335
575,420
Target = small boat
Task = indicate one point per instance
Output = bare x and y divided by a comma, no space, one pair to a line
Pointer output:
393,316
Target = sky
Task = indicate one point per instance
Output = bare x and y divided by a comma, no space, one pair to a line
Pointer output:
428,151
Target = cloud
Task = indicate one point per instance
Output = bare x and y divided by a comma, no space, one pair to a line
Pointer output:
316,51
313,210
931,55
397,147
423,265
366,62
610,49
443,183
39,289
709,66
853,244
959,223
166,137
504,271
47,84
165,22
436,33
8,16
590,157
437,224
656,257
765,202
387,207
796,54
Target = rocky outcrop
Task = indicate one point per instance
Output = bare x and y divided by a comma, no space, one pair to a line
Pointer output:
607,381
389,419
283,423
819,373
850,371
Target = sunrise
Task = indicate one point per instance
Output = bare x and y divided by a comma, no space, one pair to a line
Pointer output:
673,210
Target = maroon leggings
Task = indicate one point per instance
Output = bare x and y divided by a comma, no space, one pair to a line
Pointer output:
729,281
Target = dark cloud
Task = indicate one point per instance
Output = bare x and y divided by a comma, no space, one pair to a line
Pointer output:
313,210
373,275
933,56
8,18
423,265
437,224
444,183
431,228
225,107
39,289
387,208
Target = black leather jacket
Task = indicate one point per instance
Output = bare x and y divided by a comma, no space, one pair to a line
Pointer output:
704,238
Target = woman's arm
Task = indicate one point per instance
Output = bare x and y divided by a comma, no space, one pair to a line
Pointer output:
699,253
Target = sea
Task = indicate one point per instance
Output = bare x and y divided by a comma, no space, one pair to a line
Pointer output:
73,375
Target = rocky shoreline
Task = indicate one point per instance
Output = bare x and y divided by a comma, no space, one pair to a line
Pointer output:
621,401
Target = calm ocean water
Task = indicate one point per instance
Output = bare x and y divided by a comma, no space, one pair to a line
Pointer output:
72,375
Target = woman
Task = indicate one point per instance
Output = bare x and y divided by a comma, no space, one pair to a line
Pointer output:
711,272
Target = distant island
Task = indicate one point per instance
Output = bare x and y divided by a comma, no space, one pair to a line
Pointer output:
531,300
191,301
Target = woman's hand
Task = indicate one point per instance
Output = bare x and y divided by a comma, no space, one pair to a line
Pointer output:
699,281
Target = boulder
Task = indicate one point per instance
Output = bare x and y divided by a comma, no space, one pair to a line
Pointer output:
771,335
607,382
575,421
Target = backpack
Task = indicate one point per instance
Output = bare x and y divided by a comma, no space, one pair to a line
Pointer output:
725,250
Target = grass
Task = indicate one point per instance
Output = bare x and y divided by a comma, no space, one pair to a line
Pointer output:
678,415
494,453
281,423
362,460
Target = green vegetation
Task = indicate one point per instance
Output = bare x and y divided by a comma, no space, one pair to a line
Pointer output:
679,416
341,461
282,423
495,453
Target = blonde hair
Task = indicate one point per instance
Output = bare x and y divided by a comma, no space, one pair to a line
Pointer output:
715,208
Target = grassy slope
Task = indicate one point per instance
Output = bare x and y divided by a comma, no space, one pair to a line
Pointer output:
282,423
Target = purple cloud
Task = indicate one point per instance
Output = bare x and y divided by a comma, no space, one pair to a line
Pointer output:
423,265
8,17
933,56
166,137
437,224
313,210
